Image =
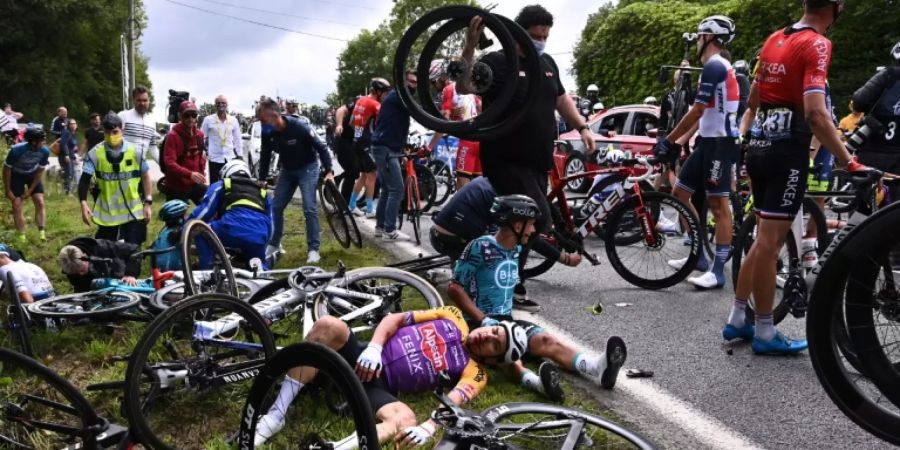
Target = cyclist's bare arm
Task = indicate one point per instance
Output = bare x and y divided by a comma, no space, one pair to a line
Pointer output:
688,122
461,299
387,328
339,119
434,140
752,107
819,119
25,297
687,136
464,85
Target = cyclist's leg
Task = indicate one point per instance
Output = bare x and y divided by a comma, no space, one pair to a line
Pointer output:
719,161
17,186
590,365
690,180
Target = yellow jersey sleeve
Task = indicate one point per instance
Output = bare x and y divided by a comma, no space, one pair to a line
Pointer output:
450,313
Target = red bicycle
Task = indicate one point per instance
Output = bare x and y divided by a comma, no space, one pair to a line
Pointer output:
642,229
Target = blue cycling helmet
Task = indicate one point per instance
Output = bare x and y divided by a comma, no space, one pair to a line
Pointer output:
172,210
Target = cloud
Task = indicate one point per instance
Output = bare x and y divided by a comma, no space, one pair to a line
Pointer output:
208,54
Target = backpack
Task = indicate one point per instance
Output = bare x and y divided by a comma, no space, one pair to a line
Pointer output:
168,237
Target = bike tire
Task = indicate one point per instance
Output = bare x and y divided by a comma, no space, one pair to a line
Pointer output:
427,186
854,262
331,365
136,375
170,295
617,221
197,229
554,418
22,326
446,184
118,301
334,197
541,267
78,407
357,278
737,218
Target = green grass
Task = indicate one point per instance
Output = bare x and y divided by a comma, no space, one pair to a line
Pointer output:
83,354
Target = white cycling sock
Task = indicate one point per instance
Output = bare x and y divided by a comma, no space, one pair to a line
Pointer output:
289,390
738,315
591,365
348,443
765,327
531,381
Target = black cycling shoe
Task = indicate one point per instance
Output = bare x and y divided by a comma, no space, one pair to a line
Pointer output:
549,374
615,358
521,301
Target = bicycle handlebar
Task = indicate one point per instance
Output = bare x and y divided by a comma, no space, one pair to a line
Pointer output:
862,183
153,252
651,170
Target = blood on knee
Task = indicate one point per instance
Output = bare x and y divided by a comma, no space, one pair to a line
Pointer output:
542,341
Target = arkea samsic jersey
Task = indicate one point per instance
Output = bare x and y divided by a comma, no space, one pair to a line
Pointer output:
793,63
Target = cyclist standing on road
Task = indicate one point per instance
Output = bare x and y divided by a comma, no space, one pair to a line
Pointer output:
710,166
364,114
120,170
482,287
388,142
22,173
343,143
239,211
787,107
301,153
519,162
881,97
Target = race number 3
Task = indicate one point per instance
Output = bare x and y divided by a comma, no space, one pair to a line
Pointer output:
891,132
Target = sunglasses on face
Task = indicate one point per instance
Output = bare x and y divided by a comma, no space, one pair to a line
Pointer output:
192,115
221,103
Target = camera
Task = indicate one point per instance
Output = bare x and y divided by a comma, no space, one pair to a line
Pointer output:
175,99
859,137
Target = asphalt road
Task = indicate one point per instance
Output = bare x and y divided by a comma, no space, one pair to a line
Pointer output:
700,396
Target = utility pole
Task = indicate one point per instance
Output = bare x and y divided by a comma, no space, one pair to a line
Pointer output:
132,36
123,49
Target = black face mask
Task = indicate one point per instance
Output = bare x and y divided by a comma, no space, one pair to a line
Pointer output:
412,91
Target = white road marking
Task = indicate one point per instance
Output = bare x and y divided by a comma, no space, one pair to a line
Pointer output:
698,424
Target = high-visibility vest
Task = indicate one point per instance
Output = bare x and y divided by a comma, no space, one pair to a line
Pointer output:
242,192
120,199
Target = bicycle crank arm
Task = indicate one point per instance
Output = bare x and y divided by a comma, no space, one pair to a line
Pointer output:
590,257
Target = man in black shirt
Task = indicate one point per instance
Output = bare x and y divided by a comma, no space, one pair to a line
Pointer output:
520,162
93,135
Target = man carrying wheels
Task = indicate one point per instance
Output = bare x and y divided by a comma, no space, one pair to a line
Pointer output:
77,261
710,166
22,173
120,169
388,141
301,153
400,359
239,211
482,287
786,108
364,114
519,162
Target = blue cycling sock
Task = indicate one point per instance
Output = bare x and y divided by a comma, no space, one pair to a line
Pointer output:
702,262
718,269
353,197
370,204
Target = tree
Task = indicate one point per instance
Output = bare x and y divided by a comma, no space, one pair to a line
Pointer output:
64,52
371,53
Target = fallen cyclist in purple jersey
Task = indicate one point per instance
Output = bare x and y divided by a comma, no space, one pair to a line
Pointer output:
407,354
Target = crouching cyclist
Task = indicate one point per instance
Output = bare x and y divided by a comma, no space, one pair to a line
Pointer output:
390,364
238,211
482,287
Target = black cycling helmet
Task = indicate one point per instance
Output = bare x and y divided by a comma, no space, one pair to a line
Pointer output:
895,53
379,84
838,5
742,67
509,209
34,134
112,121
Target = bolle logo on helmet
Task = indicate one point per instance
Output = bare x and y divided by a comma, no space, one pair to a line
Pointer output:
523,212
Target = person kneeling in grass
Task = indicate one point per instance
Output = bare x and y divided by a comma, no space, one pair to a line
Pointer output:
399,360
482,287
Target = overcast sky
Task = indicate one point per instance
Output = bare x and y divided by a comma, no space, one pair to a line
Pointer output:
208,54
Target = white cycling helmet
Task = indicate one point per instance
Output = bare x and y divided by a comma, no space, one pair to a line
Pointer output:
598,106
721,27
615,157
895,53
651,100
517,342
593,88
438,69
234,167
291,101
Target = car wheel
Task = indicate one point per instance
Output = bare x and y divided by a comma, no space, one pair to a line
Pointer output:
574,166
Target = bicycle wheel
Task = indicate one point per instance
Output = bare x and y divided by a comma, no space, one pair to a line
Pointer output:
645,263
18,327
206,265
343,224
627,236
427,187
307,424
848,282
95,304
534,264
181,364
538,425
398,290
170,295
788,253
42,410
445,182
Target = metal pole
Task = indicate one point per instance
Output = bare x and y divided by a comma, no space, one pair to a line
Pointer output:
132,36
123,49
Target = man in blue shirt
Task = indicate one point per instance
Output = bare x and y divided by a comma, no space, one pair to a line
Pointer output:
300,152
388,141
22,172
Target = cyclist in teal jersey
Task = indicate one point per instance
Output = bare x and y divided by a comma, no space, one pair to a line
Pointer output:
482,287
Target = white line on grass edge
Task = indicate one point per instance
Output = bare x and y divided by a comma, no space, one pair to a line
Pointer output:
698,424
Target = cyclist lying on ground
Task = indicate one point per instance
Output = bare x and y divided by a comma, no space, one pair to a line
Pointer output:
405,356
238,211
31,283
75,260
467,216
482,287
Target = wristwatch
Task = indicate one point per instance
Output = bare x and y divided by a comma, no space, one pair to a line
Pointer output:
581,128
148,200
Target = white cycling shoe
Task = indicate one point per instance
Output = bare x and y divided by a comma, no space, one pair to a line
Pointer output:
664,225
266,428
706,281
677,264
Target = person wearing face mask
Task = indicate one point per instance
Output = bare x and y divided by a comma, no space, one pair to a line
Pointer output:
120,170
223,134
139,127
519,162
185,158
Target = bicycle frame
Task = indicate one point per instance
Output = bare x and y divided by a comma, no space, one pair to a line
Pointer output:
412,180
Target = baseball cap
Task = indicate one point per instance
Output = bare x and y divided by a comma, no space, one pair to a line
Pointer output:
186,106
